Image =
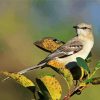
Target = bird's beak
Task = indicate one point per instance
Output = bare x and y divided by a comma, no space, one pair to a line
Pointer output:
75,27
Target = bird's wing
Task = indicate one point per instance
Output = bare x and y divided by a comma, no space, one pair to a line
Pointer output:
71,47
49,44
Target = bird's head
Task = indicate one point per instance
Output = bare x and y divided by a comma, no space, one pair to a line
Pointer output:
83,29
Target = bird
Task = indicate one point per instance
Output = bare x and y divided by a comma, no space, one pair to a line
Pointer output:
78,46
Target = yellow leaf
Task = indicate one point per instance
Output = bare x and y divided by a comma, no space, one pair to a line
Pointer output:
21,79
63,70
53,87
49,44
68,76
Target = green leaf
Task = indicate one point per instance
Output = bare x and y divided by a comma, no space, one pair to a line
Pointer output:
89,80
82,63
97,65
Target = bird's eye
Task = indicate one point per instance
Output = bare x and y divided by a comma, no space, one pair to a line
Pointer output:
84,28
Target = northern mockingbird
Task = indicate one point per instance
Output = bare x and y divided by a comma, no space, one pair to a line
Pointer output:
79,46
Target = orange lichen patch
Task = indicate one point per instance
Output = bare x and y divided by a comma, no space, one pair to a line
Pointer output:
51,45
56,64
53,87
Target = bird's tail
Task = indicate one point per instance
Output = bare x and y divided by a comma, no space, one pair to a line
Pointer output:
27,70
31,68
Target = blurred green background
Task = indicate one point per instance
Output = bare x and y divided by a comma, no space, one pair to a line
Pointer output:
22,22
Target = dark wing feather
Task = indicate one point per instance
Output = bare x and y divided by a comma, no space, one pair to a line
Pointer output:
71,47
